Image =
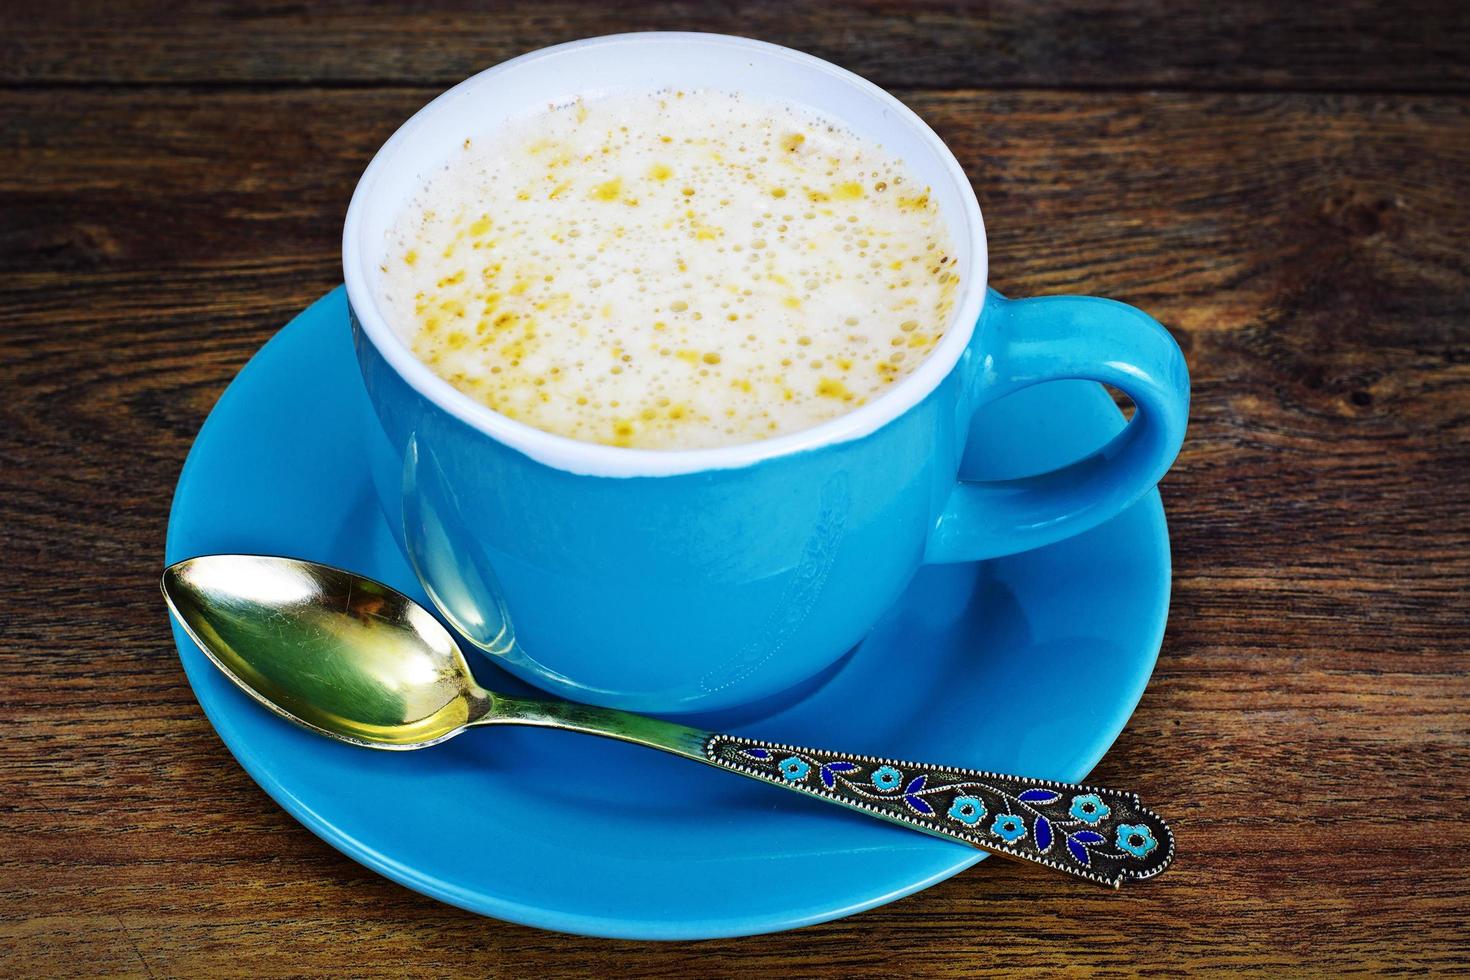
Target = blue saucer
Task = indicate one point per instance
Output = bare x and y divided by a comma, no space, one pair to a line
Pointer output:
1030,664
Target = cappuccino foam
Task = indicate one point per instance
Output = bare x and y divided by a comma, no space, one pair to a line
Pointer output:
671,270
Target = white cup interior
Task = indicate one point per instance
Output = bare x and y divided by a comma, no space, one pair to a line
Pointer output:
479,106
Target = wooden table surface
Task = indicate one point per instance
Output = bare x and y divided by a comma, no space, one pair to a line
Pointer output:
1286,186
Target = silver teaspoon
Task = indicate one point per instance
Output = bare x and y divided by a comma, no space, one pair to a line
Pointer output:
354,660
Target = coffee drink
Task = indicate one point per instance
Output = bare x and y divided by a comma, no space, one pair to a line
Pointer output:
670,270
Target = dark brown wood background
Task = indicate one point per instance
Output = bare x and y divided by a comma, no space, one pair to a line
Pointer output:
1285,185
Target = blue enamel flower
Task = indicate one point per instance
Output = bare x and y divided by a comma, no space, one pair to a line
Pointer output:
794,769
1009,827
967,810
886,778
1090,809
1136,839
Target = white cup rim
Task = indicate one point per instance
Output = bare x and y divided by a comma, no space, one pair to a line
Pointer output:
594,459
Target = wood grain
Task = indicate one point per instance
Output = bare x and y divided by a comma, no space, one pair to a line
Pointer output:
1309,720
1363,45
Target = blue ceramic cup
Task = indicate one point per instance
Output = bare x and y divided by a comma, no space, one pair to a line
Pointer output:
678,581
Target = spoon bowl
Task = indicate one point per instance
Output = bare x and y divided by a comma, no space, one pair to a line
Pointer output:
337,653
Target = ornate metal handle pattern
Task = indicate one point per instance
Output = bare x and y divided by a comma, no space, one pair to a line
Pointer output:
1100,834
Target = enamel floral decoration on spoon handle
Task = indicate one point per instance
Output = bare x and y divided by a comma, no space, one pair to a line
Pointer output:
1103,835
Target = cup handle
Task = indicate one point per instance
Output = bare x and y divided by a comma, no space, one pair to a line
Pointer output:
1027,342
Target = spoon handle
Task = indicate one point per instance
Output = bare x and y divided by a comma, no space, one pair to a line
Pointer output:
1103,835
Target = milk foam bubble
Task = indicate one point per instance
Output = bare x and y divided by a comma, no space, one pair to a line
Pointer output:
671,270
